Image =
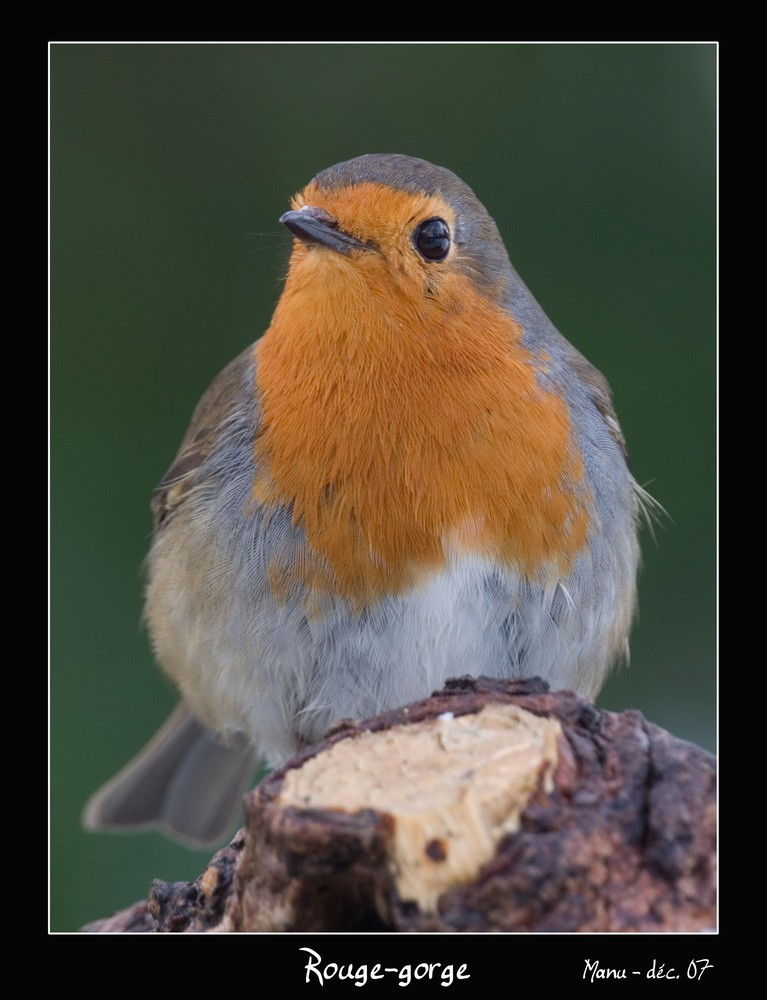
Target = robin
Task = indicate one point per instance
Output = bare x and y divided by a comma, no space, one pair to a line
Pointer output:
411,476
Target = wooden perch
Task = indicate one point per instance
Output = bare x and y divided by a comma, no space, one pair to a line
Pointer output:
491,806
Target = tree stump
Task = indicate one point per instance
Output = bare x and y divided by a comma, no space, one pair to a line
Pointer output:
491,806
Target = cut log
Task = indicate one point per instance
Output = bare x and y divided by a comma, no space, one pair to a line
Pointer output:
491,806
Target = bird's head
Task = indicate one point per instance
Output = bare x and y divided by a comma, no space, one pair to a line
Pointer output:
401,227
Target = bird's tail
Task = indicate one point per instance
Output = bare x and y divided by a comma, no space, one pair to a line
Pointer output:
185,782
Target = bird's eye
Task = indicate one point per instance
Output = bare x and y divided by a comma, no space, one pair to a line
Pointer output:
432,239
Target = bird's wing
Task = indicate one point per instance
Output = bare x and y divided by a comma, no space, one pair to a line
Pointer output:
599,392
212,416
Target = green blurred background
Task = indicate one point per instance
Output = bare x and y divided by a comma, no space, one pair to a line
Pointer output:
170,167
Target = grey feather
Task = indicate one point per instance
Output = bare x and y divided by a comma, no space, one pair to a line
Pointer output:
185,782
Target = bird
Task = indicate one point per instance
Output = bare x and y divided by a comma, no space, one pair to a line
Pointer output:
411,476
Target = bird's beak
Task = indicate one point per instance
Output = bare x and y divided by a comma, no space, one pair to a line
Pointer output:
314,225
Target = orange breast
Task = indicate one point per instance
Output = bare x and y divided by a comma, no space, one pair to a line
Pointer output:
404,429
